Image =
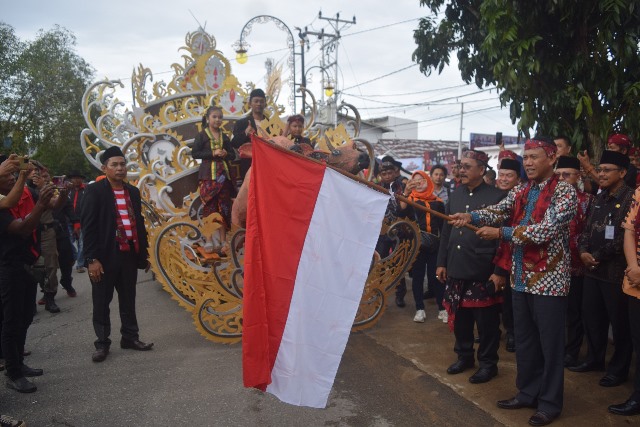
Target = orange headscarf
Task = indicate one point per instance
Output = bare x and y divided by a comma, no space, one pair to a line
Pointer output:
425,196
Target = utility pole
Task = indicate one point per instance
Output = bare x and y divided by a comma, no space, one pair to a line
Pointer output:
460,139
328,58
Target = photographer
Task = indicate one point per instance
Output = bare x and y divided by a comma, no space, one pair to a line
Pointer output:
19,249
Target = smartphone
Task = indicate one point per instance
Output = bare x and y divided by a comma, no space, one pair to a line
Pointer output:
58,182
24,162
498,138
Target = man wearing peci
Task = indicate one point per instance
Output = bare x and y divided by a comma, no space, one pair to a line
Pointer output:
115,247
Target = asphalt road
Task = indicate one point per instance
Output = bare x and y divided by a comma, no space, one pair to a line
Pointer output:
187,380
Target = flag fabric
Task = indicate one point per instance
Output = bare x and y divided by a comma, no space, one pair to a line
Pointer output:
310,237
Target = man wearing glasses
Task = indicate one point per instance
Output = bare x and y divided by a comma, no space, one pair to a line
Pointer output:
601,251
465,266
568,170
538,214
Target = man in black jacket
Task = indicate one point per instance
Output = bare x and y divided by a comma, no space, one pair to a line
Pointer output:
465,264
247,125
115,247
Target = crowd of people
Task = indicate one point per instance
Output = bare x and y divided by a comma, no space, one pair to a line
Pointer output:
538,243
548,240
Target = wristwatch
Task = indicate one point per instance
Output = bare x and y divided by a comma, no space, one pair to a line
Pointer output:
91,260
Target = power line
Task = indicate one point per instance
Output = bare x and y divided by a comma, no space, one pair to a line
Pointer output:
413,93
380,27
381,77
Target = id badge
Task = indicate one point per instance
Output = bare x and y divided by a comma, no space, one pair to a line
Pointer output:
609,232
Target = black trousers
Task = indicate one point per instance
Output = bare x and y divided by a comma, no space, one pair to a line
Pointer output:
488,321
539,349
123,279
575,329
507,308
18,295
604,303
634,321
66,260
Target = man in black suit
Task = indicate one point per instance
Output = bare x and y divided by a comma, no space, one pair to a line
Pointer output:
115,247
247,125
465,266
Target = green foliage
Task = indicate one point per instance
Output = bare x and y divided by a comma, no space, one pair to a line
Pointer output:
562,67
41,86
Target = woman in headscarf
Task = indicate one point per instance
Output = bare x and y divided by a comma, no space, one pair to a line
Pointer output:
420,190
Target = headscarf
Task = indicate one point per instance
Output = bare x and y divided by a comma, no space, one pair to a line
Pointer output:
546,144
425,196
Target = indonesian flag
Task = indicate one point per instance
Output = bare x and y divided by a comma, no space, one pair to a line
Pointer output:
311,234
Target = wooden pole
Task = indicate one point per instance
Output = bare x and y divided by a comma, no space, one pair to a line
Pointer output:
367,183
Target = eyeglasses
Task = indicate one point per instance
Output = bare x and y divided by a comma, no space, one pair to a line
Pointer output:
466,166
606,170
565,175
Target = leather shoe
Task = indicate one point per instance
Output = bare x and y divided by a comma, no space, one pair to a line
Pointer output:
570,361
100,355
586,367
541,419
21,385
31,372
400,302
459,366
511,343
483,375
514,403
611,380
630,407
135,345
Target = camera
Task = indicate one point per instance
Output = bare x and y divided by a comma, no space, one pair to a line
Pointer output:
24,162
59,182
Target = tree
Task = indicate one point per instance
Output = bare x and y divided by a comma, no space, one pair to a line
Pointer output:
565,67
41,87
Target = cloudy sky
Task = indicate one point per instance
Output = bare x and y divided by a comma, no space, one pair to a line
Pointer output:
373,56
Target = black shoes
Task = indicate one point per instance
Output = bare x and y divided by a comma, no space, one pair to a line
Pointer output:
630,407
541,419
511,343
100,355
587,367
611,380
514,403
483,375
459,366
570,361
71,292
31,372
400,302
135,345
21,385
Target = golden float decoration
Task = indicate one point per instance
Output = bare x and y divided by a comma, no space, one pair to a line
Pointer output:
156,134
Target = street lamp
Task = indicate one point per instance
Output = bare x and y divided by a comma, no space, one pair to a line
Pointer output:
241,56
327,84
241,46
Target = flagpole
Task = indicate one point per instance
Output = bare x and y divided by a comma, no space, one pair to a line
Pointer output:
365,182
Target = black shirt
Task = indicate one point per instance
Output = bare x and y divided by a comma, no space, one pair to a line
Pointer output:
607,209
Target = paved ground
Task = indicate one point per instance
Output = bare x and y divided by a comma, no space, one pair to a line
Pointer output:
391,375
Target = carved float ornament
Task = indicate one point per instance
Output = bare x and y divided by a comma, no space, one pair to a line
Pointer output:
156,134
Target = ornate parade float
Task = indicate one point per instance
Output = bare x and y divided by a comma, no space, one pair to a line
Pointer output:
156,134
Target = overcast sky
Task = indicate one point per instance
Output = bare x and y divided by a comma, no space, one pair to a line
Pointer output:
116,36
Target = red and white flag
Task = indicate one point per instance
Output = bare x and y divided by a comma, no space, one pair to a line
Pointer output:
311,233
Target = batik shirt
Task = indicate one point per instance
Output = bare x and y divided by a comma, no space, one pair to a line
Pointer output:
551,236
